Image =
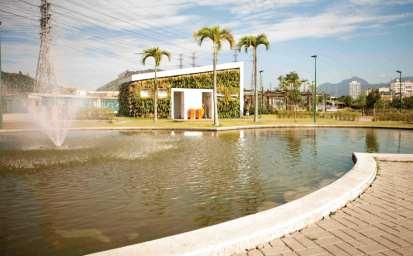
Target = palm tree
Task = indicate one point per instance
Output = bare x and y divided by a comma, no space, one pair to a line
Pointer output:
156,53
254,41
217,35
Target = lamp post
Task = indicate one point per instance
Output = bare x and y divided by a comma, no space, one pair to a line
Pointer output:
1,97
315,89
400,87
262,91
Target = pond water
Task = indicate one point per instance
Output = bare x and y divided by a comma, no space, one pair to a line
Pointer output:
106,189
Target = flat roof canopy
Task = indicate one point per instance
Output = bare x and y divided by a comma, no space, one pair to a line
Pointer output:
186,71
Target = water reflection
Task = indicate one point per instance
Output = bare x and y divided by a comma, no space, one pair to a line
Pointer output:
372,144
110,189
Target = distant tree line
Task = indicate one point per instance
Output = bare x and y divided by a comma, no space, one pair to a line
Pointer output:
16,83
373,101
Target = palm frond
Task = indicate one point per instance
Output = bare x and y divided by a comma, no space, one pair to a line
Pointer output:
245,42
203,34
228,36
167,54
155,53
216,35
262,39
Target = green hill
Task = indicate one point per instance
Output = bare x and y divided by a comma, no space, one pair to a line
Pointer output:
16,83
114,84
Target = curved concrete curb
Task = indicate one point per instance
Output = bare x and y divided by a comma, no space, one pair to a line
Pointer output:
249,231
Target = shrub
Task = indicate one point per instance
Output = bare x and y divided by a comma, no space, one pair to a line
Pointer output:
409,118
340,115
394,116
95,114
290,114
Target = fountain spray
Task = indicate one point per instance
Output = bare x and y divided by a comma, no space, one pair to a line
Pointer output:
48,106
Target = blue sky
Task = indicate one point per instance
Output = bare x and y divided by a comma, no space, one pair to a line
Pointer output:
94,41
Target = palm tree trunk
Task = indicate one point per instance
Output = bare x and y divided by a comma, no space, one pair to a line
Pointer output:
155,99
295,113
255,84
215,97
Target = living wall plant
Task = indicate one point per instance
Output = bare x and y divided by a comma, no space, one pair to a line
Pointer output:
132,104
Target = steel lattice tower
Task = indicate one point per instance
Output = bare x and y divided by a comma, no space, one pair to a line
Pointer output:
45,78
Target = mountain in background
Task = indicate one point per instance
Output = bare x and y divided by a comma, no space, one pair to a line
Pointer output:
341,88
410,78
114,84
16,83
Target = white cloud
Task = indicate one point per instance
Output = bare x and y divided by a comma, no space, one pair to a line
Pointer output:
249,7
97,39
327,24
380,2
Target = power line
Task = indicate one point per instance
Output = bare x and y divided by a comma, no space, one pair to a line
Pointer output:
96,35
28,3
180,61
17,15
193,59
124,21
98,22
145,26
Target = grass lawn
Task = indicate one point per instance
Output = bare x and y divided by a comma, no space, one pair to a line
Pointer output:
205,124
246,121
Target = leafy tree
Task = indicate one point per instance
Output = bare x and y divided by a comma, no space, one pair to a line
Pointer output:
253,42
408,102
156,53
396,102
291,84
16,83
360,103
217,35
372,98
347,100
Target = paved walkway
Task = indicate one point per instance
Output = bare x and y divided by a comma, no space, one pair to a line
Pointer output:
379,222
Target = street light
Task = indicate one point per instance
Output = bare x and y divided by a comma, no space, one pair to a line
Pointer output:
262,91
400,87
1,98
315,89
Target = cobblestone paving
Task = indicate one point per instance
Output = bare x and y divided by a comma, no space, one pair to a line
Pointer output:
379,222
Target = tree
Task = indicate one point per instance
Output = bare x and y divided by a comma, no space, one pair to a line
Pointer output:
254,41
360,103
156,53
291,84
396,102
346,100
371,99
217,35
408,102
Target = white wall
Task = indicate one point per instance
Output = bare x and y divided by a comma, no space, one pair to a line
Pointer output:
192,99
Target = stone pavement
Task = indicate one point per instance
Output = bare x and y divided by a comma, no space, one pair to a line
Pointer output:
379,222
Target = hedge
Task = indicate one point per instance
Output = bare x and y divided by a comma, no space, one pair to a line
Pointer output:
95,114
341,115
394,116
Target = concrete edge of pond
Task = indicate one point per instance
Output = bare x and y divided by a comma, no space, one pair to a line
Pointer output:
236,235
213,129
